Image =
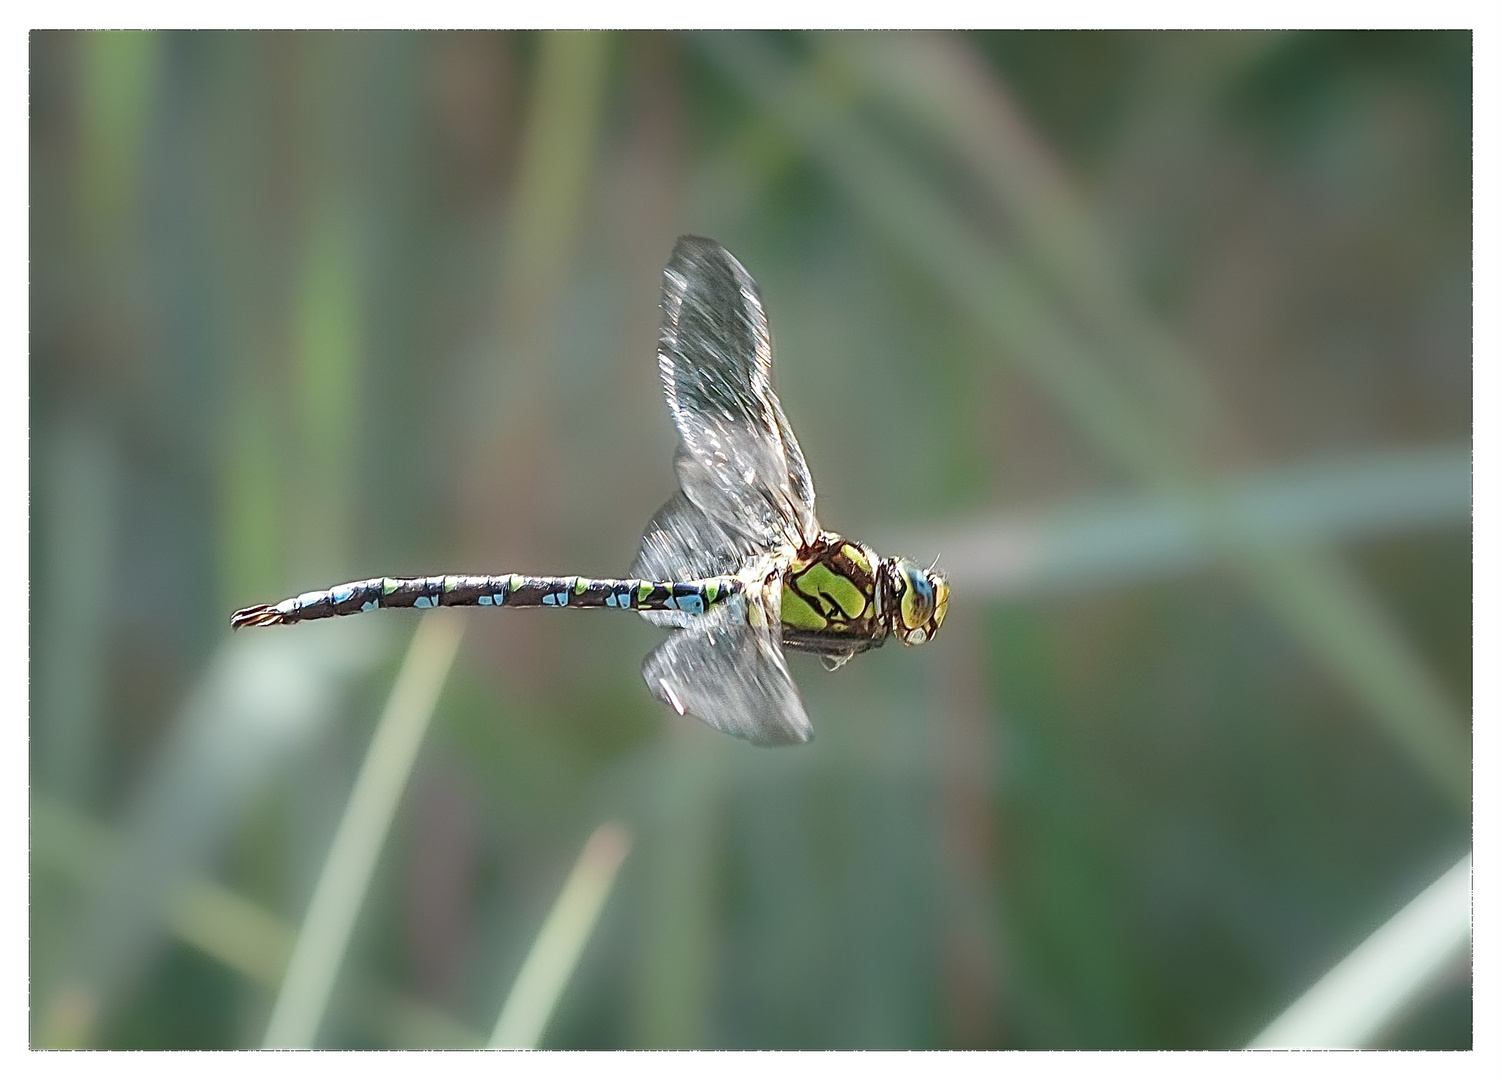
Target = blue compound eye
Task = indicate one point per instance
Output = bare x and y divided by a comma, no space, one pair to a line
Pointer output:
917,595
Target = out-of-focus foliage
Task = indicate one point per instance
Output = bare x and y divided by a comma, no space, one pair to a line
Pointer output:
1161,341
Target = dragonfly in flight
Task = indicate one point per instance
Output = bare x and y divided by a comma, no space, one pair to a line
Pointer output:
735,564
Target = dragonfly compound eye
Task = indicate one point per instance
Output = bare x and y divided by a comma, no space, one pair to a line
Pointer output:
915,604
941,600
922,601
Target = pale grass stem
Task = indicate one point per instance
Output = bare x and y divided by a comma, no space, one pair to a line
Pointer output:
325,934
556,951
1386,975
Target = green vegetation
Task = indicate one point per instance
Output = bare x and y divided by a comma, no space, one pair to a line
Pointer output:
1161,341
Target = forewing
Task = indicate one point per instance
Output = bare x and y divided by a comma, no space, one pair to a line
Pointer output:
681,543
737,460
732,676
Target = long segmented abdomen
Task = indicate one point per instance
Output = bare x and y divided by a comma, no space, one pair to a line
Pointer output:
509,590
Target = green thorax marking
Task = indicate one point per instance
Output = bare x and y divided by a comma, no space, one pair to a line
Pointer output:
831,588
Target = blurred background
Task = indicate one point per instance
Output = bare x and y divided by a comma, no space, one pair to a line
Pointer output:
1160,341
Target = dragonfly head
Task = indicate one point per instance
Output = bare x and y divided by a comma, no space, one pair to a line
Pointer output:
917,600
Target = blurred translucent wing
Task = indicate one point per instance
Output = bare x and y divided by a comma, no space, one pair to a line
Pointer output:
738,460
731,675
746,490
681,543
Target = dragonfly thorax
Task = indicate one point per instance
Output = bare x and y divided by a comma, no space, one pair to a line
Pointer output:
839,598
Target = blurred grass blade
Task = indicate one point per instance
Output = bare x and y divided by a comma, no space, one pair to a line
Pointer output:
980,279
559,944
239,933
1101,541
671,1001
119,71
945,87
262,698
544,220
78,492
1328,610
1388,973
557,157
220,923
325,933
326,391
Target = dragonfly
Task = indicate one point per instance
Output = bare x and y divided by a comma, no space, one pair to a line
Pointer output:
735,565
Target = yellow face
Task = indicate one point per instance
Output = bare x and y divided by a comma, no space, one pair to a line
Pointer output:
922,602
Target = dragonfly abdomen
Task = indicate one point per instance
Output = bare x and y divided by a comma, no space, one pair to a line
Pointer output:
507,590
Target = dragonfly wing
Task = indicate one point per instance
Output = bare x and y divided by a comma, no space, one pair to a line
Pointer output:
738,459
746,491
732,676
681,543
